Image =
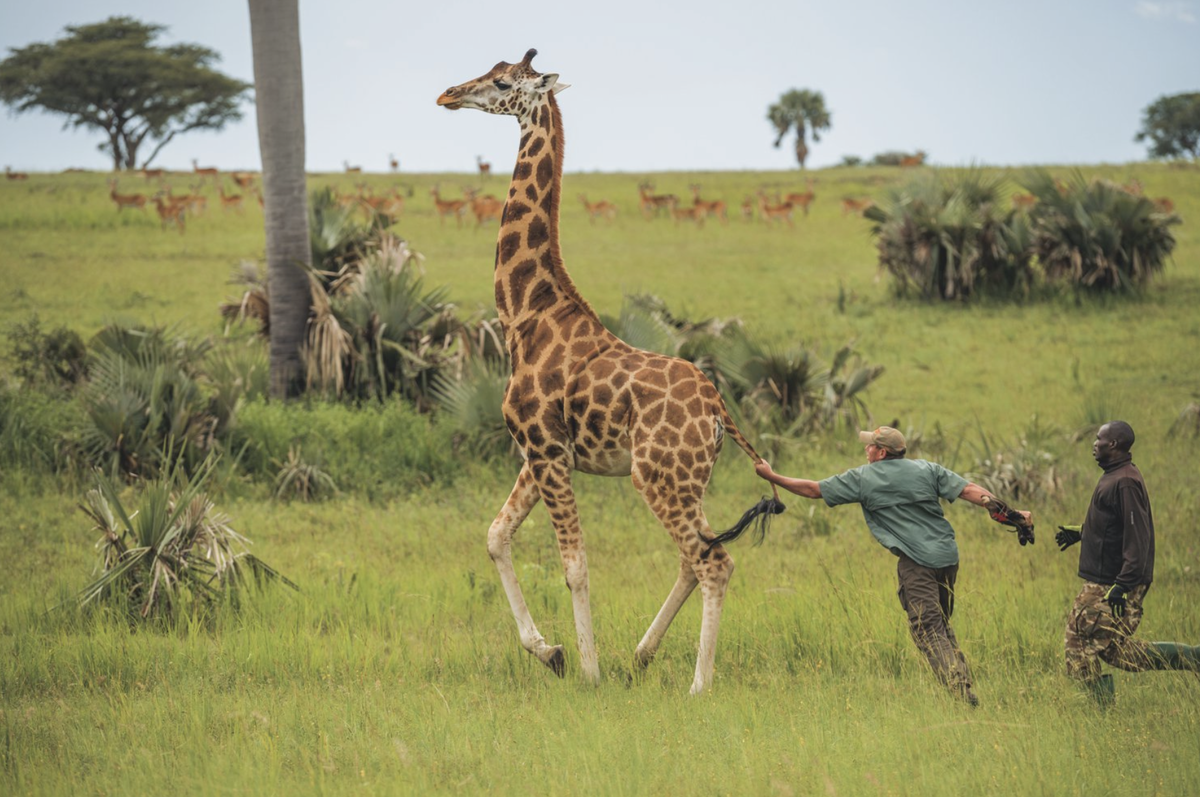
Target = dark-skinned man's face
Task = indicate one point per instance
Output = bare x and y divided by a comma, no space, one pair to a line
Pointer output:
1104,447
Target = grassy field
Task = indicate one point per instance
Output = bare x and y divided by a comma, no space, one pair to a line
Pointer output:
397,668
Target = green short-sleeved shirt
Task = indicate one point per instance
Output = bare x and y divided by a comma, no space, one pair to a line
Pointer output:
899,500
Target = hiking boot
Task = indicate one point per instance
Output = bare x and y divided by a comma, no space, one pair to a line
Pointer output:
965,694
1173,656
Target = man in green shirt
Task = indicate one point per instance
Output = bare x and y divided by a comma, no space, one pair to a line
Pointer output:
900,502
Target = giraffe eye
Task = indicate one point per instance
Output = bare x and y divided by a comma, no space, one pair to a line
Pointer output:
500,84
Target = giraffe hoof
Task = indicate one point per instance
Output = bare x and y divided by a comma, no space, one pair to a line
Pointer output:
556,661
642,658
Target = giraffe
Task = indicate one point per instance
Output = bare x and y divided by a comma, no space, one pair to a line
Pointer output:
581,399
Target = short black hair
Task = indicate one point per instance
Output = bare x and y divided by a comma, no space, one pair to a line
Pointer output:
889,454
1121,434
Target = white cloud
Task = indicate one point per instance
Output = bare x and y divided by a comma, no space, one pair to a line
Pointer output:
1180,12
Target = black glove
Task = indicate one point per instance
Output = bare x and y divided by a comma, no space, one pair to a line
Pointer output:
1002,513
1068,536
1115,597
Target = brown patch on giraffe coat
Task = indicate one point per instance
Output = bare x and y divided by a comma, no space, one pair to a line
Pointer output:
535,436
554,360
525,139
676,417
523,170
531,193
515,210
543,296
545,171
551,381
683,390
518,282
509,245
652,377
535,147
501,301
538,233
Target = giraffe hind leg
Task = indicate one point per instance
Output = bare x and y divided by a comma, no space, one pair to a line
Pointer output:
678,508
521,501
684,585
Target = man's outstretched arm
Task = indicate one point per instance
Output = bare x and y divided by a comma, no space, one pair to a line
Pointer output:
803,487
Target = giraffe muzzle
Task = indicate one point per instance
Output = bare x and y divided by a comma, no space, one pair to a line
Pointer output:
448,100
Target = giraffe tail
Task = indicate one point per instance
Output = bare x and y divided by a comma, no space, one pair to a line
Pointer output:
758,516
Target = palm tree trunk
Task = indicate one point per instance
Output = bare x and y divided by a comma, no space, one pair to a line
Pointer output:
801,147
279,97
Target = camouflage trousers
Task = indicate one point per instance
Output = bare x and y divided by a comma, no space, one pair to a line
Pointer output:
1094,634
927,595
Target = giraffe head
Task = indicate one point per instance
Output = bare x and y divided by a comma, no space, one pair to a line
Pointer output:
510,89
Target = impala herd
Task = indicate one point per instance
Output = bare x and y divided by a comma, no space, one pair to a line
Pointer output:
774,208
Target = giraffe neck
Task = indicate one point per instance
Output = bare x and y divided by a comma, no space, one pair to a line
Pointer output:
530,278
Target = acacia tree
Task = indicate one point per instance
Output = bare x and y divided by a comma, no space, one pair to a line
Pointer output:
1172,126
803,111
279,83
109,76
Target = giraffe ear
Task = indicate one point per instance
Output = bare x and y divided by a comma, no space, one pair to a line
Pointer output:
549,82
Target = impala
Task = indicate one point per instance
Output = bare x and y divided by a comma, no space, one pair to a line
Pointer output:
125,200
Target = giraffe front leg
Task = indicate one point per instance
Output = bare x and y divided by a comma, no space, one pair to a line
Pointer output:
553,478
521,501
684,584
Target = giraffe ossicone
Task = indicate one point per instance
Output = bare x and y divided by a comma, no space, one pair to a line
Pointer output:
580,398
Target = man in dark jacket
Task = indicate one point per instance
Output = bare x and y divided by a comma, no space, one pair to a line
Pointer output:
1116,563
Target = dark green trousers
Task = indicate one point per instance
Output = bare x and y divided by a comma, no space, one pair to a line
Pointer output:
927,595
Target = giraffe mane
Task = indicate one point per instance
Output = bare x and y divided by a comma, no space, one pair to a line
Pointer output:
560,272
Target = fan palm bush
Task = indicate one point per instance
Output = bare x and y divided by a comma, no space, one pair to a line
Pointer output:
301,479
647,323
373,334
1096,235
1024,470
173,551
145,394
951,238
786,393
471,400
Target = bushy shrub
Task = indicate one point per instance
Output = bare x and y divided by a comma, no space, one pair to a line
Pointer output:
786,393
143,397
35,431
56,358
951,238
1096,235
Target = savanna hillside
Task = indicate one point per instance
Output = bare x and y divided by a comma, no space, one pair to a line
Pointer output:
397,669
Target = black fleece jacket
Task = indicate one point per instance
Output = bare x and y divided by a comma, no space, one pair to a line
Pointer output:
1118,532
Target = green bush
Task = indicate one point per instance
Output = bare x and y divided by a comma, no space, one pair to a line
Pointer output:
950,238
34,431
57,357
1096,235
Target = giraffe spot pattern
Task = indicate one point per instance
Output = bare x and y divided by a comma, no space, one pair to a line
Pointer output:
509,245
545,171
538,234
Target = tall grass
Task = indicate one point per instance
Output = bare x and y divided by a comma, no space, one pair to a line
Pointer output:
397,669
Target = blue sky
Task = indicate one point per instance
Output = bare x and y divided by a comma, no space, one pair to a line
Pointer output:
655,87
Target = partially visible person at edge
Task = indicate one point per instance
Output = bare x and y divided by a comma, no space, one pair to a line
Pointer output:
899,499
1116,563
